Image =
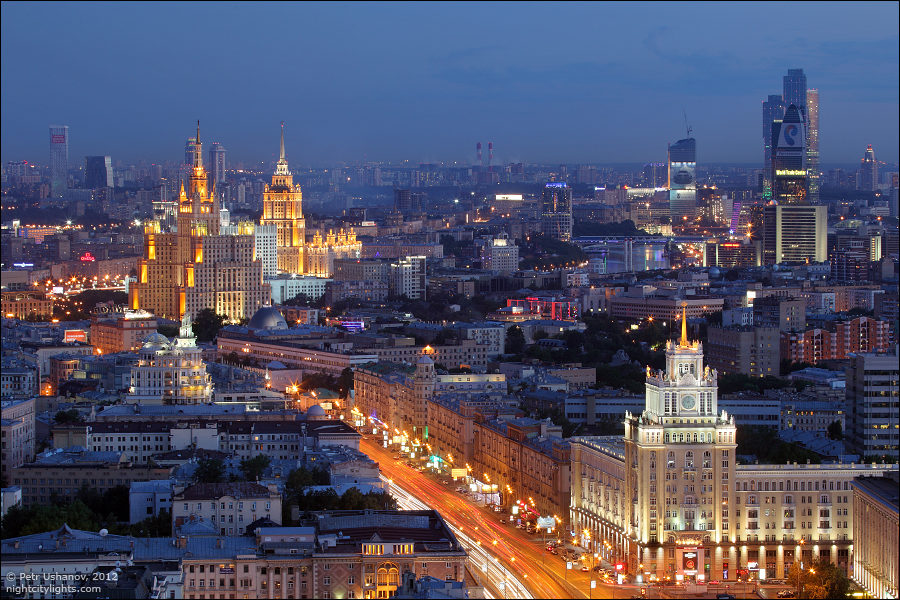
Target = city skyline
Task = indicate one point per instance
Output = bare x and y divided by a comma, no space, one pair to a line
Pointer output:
362,94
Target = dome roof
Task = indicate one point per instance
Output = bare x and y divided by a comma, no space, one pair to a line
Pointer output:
267,318
316,412
424,360
155,340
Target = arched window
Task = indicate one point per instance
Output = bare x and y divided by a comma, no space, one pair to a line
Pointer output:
689,460
670,460
667,438
781,486
767,486
752,486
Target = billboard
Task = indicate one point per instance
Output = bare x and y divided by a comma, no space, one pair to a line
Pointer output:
689,560
791,137
75,335
57,139
683,176
457,473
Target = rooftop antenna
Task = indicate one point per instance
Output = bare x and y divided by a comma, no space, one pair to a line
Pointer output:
687,125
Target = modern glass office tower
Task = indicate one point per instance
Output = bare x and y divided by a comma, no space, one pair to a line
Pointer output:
59,160
868,171
556,211
98,172
683,180
773,109
812,149
217,163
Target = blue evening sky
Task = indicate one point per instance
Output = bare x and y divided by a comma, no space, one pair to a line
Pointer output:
545,82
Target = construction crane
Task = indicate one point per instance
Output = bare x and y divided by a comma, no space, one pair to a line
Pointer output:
686,124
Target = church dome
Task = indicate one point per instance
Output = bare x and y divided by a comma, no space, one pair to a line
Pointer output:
267,318
424,360
315,413
155,341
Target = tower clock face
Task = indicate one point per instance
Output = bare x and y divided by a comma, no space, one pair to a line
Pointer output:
688,402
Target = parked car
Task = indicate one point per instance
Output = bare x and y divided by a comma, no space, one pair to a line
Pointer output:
725,597
786,594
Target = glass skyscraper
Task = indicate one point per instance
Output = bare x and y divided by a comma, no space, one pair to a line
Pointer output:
98,172
556,211
812,148
59,160
773,109
683,180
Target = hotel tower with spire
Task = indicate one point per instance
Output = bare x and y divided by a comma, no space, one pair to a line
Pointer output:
196,267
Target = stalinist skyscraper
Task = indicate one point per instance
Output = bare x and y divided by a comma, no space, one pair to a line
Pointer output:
283,207
196,267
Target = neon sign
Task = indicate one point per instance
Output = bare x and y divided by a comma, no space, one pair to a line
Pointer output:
88,257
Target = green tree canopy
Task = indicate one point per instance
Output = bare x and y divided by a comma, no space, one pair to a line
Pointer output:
210,470
253,468
207,324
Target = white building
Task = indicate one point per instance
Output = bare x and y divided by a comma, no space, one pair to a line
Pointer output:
170,373
285,286
408,277
148,498
265,242
499,254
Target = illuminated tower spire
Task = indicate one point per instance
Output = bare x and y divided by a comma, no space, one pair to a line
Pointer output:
282,166
198,150
684,339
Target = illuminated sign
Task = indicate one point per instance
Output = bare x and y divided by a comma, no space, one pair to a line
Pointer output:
689,561
516,197
790,173
791,136
58,289
75,335
23,265
682,175
88,257
555,185
367,224
57,139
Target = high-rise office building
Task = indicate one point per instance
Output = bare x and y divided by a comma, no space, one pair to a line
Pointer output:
217,163
655,175
795,88
197,267
868,171
683,180
556,211
59,160
812,151
793,230
98,172
190,148
773,109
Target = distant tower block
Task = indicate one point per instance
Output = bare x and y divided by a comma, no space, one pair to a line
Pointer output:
490,154
478,150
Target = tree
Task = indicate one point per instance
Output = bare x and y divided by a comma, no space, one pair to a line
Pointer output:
210,470
836,431
820,580
345,382
68,416
515,340
253,468
207,324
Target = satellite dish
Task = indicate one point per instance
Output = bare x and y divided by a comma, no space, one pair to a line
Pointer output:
103,533
118,563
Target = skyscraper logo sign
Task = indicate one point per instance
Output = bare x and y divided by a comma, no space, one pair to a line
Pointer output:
57,139
789,133
791,137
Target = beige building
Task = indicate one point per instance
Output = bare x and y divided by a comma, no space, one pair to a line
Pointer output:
197,268
231,507
283,207
170,373
661,308
18,433
876,525
121,332
753,351
25,304
396,395
672,500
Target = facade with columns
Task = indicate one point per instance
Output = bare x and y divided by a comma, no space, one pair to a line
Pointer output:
670,501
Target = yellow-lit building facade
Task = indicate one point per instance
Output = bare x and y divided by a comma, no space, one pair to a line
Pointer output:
283,207
196,267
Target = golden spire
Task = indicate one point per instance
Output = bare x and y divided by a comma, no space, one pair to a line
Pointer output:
684,339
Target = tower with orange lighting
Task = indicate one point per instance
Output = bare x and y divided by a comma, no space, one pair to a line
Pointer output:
196,267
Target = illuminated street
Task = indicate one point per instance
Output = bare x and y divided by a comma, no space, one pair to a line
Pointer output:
523,554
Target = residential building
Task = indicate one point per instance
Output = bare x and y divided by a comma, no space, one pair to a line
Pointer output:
860,335
500,255
783,313
98,172
873,389
875,529
121,332
408,278
17,427
286,286
754,351
26,304
149,498
231,507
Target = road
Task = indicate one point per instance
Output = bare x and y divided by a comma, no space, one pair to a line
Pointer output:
523,554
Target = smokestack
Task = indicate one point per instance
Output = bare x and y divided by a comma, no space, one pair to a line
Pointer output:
478,148
490,154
